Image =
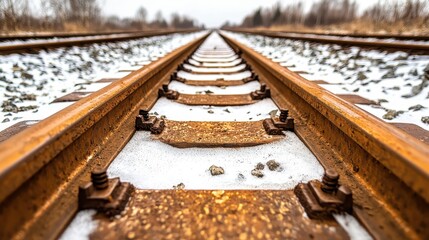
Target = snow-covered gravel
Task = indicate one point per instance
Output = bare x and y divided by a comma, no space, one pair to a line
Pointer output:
56,39
29,81
396,80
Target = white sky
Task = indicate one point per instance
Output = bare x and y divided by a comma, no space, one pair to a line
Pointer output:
212,13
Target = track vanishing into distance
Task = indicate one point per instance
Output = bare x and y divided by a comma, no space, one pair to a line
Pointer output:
371,41
77,39
253,150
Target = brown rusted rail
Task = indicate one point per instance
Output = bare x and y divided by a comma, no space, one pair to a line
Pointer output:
357,35
42,167
9,37
396,45
387,168
33,46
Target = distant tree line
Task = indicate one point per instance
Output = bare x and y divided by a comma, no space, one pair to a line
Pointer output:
327,12
78,15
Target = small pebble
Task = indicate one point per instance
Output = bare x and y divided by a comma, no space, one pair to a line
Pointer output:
416,107
425,119
260,166
391,114
273,165
241,177
361,76
257,173
179,186
215,170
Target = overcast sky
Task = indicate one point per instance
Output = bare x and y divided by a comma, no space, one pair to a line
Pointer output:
212,13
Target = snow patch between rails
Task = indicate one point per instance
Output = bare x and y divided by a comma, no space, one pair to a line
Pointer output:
188,89
181,112
215,70
352,227
151,164
81,226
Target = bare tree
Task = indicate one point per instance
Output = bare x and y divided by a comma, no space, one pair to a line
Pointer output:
141,16
159,21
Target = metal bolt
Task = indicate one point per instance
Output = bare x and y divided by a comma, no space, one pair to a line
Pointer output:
145,114
284,113
330,181
255,76
263,87
165,87
99,178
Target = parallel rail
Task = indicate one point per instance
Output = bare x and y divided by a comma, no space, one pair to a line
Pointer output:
394,45
34,46
42,167
46,163
360,35
9,37
391,166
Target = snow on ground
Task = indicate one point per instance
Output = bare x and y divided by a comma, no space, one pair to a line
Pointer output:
29,81
81,227
151,164
56,39
393,79
181,112
352,227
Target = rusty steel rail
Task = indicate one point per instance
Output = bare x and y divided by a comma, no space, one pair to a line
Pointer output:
42,167
34,46
356,35
386,168
392,45
8,37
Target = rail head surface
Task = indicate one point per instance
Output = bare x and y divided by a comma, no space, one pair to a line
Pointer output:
399,152
24,154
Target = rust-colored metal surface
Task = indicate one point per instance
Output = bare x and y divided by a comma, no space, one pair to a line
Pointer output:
215,134
29,46
182,214
15,128
42,166
215,100
386,168
365,35
356,99
320,82
72,97
414,130
4,37
341,41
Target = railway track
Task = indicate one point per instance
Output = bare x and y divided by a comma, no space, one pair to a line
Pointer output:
77,40
252,149
361,35
23,37
376,41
